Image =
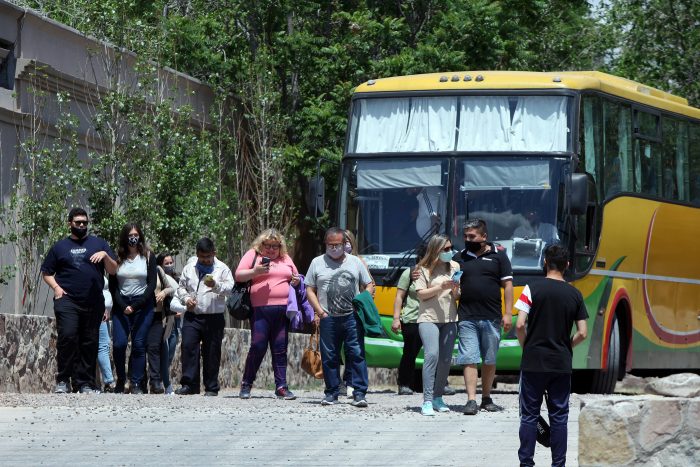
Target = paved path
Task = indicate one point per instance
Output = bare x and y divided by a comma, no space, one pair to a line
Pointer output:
106,429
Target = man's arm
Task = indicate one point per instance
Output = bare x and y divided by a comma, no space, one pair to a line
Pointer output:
581,333
369,288
521,328
508,300
51,282
312,298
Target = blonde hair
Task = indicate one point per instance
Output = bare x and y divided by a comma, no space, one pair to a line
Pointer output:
432,253
350,237
267,235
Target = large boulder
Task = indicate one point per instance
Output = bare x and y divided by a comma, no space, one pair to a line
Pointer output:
678,385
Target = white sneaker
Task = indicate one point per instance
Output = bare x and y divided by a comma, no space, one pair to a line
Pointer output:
427,409
349,392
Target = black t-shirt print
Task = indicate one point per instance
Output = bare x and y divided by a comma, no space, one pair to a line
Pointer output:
553,306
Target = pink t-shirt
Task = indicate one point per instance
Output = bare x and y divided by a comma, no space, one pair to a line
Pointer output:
271,288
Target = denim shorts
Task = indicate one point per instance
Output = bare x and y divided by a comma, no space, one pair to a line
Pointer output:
478,342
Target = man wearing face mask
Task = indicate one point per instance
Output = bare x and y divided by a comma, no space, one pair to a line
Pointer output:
485,270
74,268
204,285
333,280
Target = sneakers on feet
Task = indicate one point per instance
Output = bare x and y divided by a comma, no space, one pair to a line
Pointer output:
427,409
284,393
211,393
119,387
349,391
108,388
185,391
244,392
87,389
488,405
329,400
359,401
137,390
62,387
471,408
448,391
405,391
157,388
439,405
169,390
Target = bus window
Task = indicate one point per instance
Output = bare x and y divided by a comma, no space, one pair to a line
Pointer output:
617,148
591,139
647,163
694,164
675,159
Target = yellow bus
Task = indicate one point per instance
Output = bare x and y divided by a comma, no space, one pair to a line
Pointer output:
608,167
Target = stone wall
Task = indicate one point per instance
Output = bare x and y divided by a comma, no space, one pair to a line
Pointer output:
28,358
640,431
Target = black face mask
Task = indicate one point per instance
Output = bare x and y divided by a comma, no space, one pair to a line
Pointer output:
169,270
79,232
472,246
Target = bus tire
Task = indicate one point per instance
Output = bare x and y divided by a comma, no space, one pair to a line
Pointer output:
603,381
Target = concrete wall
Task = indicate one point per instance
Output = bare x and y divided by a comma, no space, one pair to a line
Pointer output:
28,358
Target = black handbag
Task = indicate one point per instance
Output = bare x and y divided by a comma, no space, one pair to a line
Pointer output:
238,303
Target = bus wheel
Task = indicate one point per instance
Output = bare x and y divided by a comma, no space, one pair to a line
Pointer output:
603,381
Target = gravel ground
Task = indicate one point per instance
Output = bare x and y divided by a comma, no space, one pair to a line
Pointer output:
111,429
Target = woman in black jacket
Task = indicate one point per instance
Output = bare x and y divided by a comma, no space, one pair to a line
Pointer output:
132,289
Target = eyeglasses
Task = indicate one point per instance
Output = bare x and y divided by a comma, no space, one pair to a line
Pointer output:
272,247
447,248
80,222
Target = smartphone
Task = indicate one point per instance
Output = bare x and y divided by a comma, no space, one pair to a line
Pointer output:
457,276
265,260
208,278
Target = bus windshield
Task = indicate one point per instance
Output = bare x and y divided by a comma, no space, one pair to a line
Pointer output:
394,205
532,123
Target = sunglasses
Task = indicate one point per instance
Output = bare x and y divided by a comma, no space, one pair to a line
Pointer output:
447,248
80,222
271,247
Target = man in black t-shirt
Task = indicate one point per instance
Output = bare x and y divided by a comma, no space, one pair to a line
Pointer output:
548,310
74,268
485,270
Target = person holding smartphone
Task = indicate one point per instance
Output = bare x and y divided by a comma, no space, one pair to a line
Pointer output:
271,271
437,319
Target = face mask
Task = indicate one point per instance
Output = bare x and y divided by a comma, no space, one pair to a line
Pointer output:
348,247
169,270
335,252
204,268
472,246
79,232
445,256
133,241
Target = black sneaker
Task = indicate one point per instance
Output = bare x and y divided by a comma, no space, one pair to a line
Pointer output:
359,401
108,388
185,391
119,387
157,388
488,405
284,393
405,391
471,408
244,392
62,387
211,393
448,391
329,400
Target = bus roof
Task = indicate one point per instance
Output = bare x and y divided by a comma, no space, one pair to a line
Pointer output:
502,80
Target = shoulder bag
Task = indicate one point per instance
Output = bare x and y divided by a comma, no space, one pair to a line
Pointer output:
238,303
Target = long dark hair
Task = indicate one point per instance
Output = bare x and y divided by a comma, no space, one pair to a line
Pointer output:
123,248
161,258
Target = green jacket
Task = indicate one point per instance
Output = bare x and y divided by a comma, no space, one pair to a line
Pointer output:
369,315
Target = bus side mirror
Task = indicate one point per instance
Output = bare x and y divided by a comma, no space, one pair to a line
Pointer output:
579,194
316,196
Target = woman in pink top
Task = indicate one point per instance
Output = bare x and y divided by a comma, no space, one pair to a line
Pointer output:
271,271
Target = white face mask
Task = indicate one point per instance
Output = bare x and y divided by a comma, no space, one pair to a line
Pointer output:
335,252
348,247
445,256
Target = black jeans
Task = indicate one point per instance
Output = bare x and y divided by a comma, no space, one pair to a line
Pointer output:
411,346
78,327
207,331
154,342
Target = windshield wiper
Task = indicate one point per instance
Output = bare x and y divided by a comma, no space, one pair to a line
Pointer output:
392,276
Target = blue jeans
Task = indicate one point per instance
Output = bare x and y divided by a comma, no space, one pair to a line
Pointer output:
478,341
533,385
103,354
136,325
337,331
167,353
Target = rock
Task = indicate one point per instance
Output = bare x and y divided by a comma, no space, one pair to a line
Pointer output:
631,385
603,438
661,420
678,385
